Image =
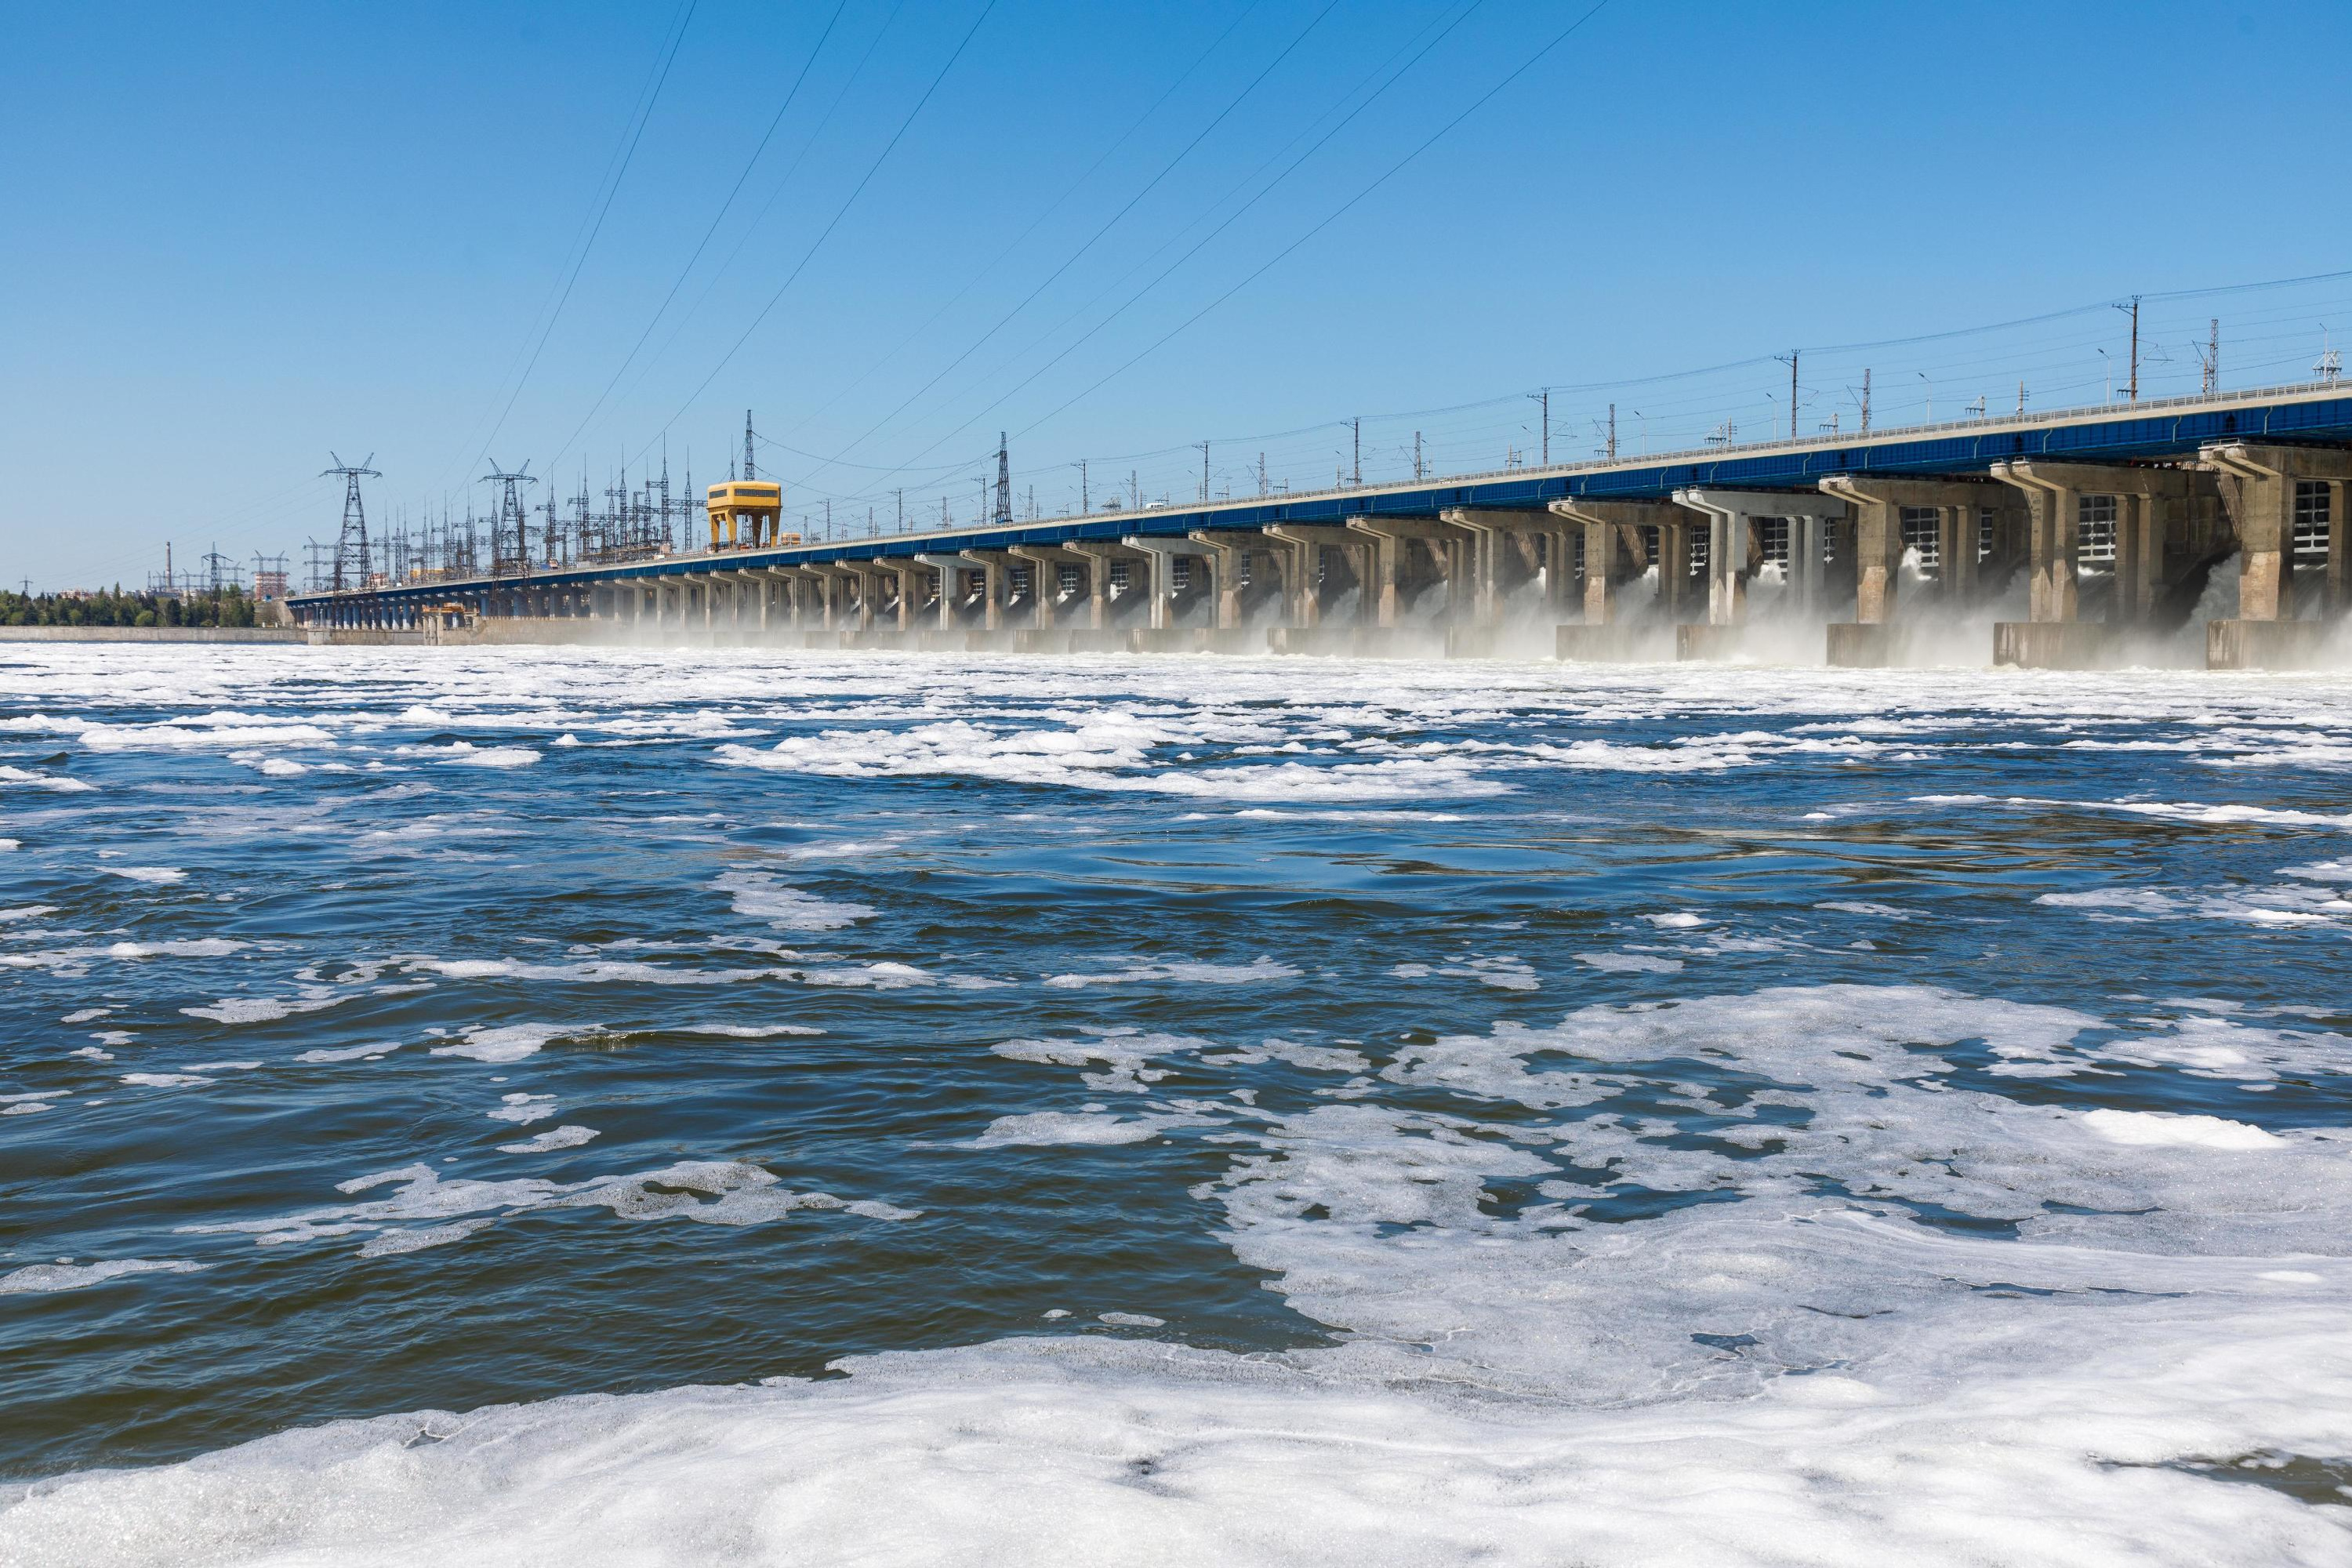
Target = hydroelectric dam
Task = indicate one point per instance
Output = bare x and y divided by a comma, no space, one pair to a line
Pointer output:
2076,539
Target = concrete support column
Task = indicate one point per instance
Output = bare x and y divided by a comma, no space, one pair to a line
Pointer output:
1102,608
1491,535
1388,539
828,580
1302,603
1045,563
946,566
1878,561
1877,505
1225,555
2340,575
868,582
2053,541
2135,569
2258,487
2261,499
1726,557
1161,553
1355,548
994,568
1606,568
1956,545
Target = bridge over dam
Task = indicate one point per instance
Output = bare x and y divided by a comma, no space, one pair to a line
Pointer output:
2207,528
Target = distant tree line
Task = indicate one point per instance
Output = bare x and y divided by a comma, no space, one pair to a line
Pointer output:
116,607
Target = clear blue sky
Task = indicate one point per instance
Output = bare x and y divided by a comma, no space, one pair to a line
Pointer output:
240,235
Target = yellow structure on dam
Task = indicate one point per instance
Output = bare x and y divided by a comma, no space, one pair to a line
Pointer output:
756,505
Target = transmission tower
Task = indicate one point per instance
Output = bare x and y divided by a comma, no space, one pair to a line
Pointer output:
1003,511
751,471
352,548
512,523
668,513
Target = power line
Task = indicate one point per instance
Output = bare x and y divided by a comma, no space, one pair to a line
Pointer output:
717,219
1345,208
1051,208
1074,256
1235,217
818,244
595,229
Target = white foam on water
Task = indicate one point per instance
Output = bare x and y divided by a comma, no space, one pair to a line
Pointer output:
259,1009
750,1031
883,976
166,1079
591,973
348,1053
8,844
1256,970
464,754
223,730
1315,1058
1125,1057
86,1015
188,947
740,1194
161,875
510,1042
1859,907
1504,972
223,1067
1631,963
394,1243
1106,750
57,782
2158,1127
1131,1319
1041,1128
523,1109
41,1278
760,896
554,1138
2133,901
2230,815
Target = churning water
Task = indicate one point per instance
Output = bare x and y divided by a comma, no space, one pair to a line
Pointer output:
473,1107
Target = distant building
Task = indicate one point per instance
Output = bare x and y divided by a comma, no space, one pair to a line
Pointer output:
269,584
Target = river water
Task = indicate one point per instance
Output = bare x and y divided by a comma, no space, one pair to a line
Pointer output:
574,1106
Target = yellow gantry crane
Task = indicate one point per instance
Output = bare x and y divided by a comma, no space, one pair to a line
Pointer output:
754,505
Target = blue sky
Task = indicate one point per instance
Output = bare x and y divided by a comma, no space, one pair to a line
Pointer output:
242,235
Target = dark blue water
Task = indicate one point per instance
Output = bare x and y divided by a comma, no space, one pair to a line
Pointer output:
470,1028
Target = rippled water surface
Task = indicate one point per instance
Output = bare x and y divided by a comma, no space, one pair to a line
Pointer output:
1222,1109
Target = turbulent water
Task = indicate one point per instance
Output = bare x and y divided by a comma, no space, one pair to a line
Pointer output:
474,1106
